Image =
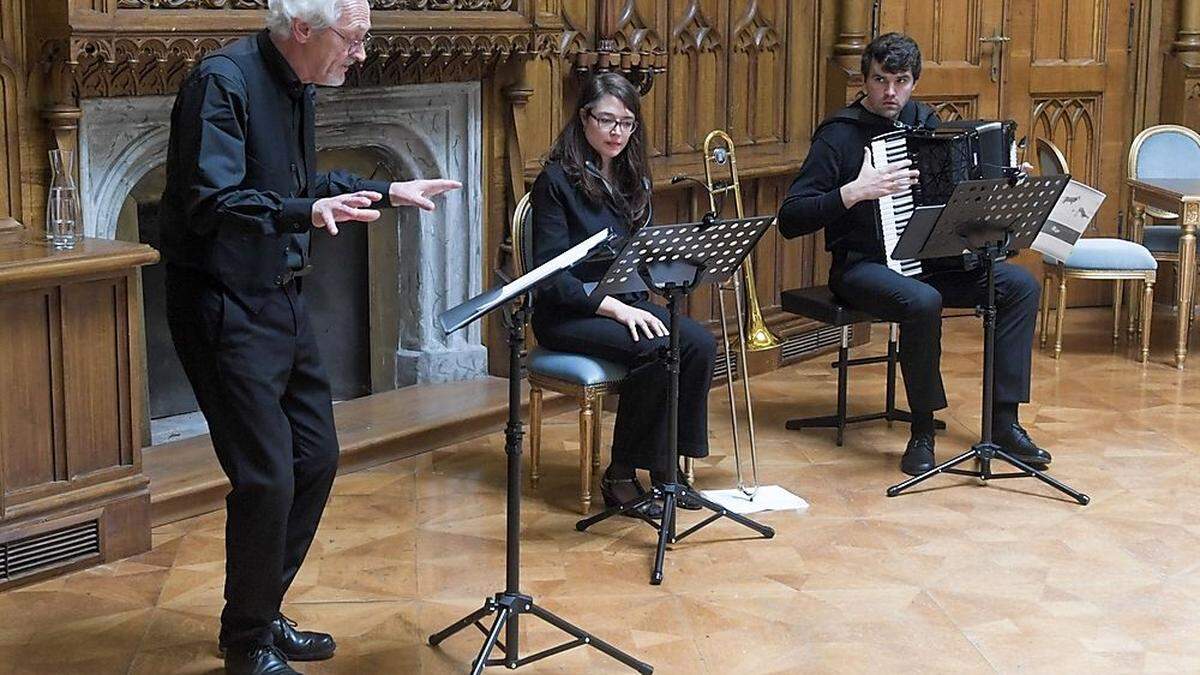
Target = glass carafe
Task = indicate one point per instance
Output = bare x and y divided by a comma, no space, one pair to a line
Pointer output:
63,223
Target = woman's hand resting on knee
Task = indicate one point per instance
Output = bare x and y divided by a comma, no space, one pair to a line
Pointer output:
632,318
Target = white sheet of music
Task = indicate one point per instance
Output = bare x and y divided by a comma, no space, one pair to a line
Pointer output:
1074,210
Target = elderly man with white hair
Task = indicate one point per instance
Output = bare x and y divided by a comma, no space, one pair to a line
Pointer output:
241,201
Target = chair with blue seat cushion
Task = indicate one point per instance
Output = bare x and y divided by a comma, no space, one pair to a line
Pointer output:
1105,258
1162,151
587,378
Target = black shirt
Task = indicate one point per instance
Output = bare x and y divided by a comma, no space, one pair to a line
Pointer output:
563,216
814,199
241,170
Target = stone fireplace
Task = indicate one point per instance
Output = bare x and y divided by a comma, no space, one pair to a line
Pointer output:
413,264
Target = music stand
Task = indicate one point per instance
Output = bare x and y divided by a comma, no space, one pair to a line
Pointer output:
509,604
672,261
991,218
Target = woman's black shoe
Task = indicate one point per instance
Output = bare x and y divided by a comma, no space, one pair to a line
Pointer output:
617,491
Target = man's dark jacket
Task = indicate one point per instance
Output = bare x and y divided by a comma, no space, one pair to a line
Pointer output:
814,199
241,171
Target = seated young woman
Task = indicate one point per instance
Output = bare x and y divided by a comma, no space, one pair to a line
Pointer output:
597,177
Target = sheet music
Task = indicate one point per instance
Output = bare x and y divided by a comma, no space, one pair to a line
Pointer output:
555,264
1072,213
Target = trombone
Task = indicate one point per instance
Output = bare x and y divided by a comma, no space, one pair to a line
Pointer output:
752,332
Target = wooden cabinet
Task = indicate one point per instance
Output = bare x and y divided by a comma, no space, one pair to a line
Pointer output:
72,491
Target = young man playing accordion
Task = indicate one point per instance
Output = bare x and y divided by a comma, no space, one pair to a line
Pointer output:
838,188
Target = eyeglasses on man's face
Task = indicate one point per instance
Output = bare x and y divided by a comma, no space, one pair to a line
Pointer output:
609,123
352,45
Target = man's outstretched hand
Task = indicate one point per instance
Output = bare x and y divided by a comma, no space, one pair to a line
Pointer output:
330,211
418,193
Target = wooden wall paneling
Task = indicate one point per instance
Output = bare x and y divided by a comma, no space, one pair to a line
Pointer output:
12,103
757,70
696,74
957,68
93,346
1069,71
29,320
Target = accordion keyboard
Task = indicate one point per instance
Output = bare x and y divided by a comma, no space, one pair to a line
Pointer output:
894,210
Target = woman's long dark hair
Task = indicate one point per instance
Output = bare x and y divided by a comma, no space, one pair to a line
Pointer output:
631,171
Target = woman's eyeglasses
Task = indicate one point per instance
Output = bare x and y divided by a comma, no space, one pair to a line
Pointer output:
609,123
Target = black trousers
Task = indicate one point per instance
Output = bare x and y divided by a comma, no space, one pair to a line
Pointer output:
916,304
640,433
261,387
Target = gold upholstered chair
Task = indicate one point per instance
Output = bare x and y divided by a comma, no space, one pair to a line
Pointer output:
1162,151
586,378
1106,258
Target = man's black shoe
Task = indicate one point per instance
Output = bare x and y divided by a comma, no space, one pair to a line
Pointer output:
918,456
1014,440
301,645
257,660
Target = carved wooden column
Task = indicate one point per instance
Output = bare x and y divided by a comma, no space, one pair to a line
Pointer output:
844,78
11,101
1181,69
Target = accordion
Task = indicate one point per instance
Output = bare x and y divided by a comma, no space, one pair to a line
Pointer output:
946,156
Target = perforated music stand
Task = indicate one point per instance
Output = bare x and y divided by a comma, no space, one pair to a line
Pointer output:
672,261
509,604
991,218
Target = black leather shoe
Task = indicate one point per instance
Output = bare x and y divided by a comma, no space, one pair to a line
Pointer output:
918,455
617,491
301,645
257,660
1014,440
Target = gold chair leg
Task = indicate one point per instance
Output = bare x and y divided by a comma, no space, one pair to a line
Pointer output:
535,435
1134,309
598,433
586,431
1045,308
1062,312
1147,307
1118,296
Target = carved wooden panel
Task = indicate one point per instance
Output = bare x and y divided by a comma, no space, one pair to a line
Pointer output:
947,110
26,421
10,148
436,5
757,70
957,67
95,352
695,75
948,31
1070,30
1071,124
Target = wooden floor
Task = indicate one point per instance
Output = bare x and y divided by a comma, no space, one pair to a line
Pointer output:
958,578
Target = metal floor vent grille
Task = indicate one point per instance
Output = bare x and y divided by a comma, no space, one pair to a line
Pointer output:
38,552
719,370
799,345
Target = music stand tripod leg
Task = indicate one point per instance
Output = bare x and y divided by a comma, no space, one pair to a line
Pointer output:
510,603
1046,478
985,450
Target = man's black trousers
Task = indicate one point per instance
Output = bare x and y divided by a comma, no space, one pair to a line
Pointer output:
261,387
916,304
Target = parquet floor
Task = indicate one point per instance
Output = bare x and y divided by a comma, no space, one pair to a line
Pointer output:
957,578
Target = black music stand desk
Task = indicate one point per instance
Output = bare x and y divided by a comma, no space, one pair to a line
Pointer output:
672,261
510,604
991,218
